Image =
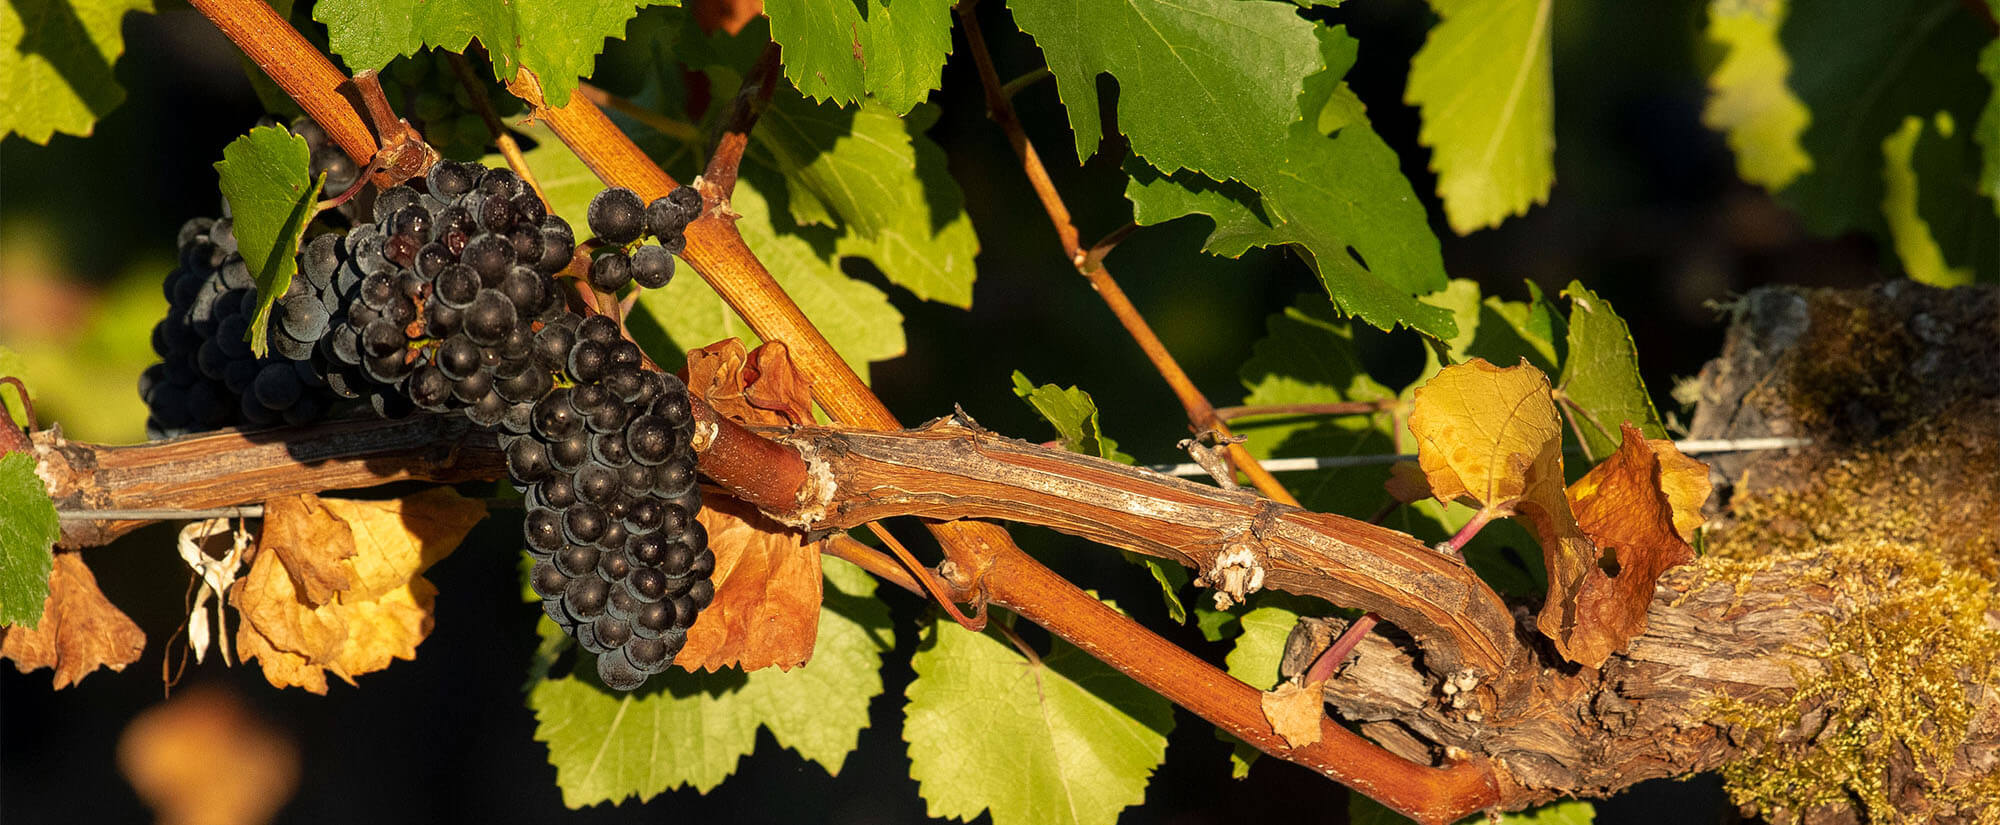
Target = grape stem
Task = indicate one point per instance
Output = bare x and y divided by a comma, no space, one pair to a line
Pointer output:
931,586
509,147
718,180
1200,413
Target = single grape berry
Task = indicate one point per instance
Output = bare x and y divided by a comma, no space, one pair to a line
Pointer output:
611,272
616,215
652,266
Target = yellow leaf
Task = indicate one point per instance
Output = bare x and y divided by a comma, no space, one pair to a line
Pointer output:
767,593
379,549
80,630
1487,434
1294,712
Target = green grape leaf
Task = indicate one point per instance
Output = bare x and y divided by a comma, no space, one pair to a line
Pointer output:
1200,82
1987,131
1512,330
1074,415
1079,739
28,532
1945,163
1341,200
1909,234
1364,811
882,181
1484,85
691,729
55,63
1601,375
1261,647
847,50
1861,67
855,317
557,41
266,177
1749,101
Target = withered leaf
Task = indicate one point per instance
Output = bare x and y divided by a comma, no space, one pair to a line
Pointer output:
314,548
203,758
380,548
778,385
1620,505
727,15
80,630
767,593
1685,481
756,388
1294,712
1406,482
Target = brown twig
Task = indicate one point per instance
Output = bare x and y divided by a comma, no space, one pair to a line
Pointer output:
848,549
678,130
1329,408
718,180
509,147
930,583
306,75
1200,413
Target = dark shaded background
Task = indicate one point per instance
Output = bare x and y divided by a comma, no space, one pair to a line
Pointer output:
1646,211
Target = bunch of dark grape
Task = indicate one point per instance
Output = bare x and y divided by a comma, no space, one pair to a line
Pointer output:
446,301
207,377
619,218
609,476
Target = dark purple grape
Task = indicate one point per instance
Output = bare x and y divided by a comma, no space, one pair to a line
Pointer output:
616,215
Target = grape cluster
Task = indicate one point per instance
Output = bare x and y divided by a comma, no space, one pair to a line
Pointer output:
619,218
609,476
446,301
208,377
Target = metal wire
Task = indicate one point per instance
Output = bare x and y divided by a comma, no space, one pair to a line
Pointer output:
1294,465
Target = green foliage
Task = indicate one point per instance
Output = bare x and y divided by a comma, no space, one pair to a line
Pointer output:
1331,189
844,51
1487,92
1602,374
880,181
556,40
690,729
28,531
272,196
1752,105
1074,416
1861,67
856,317
1961,220
55,63
1199,83
1064,740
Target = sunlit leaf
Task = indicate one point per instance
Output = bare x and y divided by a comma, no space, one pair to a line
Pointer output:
1750,102
1601,374
844,51
56,59
691,729
28,531
1483,83
272,195
79,632
1080,739
767,593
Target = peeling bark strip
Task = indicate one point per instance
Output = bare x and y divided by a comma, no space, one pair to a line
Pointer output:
956,473
232,466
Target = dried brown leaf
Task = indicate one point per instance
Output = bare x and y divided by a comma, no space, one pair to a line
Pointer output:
80,630
767,593
1294,712
1406,482
758,388
1620,505
778,386
204,758
314,547
386,609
